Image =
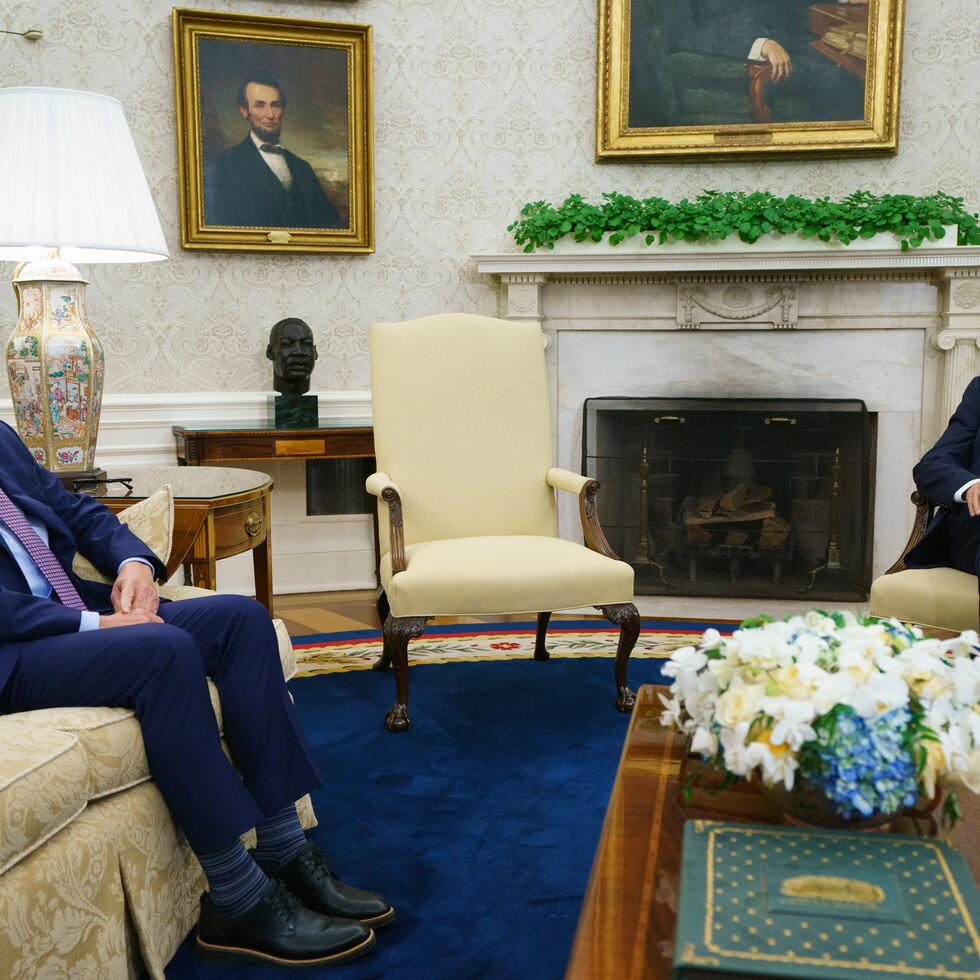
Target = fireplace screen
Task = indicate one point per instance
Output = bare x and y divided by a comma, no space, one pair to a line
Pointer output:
735,496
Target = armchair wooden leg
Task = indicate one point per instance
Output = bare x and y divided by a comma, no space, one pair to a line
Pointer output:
397,632
540,650
626,617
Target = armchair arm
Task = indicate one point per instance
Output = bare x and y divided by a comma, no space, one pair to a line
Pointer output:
923,512
585,489
382,486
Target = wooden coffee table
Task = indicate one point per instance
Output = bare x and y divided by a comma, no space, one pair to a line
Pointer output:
626,927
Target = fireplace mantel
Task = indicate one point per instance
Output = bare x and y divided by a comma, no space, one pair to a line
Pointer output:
926,263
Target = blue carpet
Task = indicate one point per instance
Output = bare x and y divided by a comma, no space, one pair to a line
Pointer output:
479,825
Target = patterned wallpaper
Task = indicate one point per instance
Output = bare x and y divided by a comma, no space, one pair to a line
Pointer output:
480,105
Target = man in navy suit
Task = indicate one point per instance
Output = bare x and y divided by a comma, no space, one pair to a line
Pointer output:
258,182
68,642
949,476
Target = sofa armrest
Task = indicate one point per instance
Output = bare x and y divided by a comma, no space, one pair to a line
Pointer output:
923,513
585,489
384,488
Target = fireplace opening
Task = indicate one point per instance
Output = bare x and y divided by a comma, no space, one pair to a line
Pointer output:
768,498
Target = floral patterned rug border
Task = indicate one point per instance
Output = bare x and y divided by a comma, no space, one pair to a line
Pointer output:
327,653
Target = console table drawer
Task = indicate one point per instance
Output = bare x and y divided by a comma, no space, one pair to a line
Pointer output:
199,446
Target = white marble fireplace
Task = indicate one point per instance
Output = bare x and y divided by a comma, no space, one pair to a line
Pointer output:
898,330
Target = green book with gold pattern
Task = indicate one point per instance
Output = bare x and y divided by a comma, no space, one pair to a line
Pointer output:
761,901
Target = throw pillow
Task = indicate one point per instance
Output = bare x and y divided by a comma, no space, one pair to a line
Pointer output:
151,520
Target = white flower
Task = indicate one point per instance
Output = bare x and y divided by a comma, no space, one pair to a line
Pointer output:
777,766
879,694
736,755
671,715
793,719
704,742
740,703
965,769
684,660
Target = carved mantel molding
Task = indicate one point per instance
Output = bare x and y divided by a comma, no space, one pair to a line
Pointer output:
759,290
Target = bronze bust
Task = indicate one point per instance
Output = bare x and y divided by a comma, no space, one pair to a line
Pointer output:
293,354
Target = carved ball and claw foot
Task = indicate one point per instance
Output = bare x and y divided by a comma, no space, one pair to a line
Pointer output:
625,700
397,719
627,618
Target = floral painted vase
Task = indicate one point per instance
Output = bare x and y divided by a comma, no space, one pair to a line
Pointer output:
56,366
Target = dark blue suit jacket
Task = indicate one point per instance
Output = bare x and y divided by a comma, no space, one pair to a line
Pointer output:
241,190
953,461
75,524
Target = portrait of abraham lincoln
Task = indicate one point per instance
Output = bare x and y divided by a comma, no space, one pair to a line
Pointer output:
274,133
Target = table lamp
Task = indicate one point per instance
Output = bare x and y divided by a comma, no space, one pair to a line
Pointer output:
74,191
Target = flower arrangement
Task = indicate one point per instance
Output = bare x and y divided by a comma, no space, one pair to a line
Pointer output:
869,713
715,215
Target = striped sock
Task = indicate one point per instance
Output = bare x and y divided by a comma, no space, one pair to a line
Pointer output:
235,881
280,838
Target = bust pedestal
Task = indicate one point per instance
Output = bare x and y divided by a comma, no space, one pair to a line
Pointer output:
295,411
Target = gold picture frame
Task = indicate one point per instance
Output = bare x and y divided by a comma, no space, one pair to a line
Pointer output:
282,161
688,79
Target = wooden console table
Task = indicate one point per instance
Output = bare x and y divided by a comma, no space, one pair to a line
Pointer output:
626,926
235,442
218,512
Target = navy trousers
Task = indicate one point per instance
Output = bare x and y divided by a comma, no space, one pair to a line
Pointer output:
961,539
161,671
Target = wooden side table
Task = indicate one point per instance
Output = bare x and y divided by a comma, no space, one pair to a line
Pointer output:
218,512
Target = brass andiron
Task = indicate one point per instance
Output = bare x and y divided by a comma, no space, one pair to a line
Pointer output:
643,545
832,563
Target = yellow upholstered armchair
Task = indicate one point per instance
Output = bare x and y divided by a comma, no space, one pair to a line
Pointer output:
466,490
943,598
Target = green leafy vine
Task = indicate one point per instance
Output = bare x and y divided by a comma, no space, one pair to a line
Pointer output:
716,215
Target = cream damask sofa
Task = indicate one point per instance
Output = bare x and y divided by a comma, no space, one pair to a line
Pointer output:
95,879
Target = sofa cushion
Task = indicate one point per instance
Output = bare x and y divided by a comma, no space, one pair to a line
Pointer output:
42,786
151,520
940,597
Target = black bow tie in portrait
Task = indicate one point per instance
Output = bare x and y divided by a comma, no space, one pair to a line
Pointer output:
272,148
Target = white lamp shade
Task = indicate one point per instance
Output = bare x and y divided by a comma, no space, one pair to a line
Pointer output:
72,180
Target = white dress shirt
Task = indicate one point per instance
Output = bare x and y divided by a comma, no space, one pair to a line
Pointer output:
275,161
36,582
958,496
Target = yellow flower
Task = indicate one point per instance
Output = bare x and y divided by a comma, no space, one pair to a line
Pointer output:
791,683
935,766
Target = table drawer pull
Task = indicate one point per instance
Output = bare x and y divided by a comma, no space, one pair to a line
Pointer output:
253,524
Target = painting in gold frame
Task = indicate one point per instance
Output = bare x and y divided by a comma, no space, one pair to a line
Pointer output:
722,79
274,133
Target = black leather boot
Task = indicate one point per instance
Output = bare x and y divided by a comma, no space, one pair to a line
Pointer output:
309,878
279,931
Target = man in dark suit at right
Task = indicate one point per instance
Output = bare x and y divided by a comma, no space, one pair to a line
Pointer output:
949,476
258,182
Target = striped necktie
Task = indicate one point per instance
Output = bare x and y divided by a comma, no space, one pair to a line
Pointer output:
40,553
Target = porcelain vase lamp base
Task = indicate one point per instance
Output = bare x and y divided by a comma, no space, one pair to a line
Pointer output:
56,366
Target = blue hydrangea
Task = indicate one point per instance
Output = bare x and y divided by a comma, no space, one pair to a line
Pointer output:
864,767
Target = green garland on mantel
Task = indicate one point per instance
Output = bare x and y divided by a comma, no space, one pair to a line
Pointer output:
715,215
